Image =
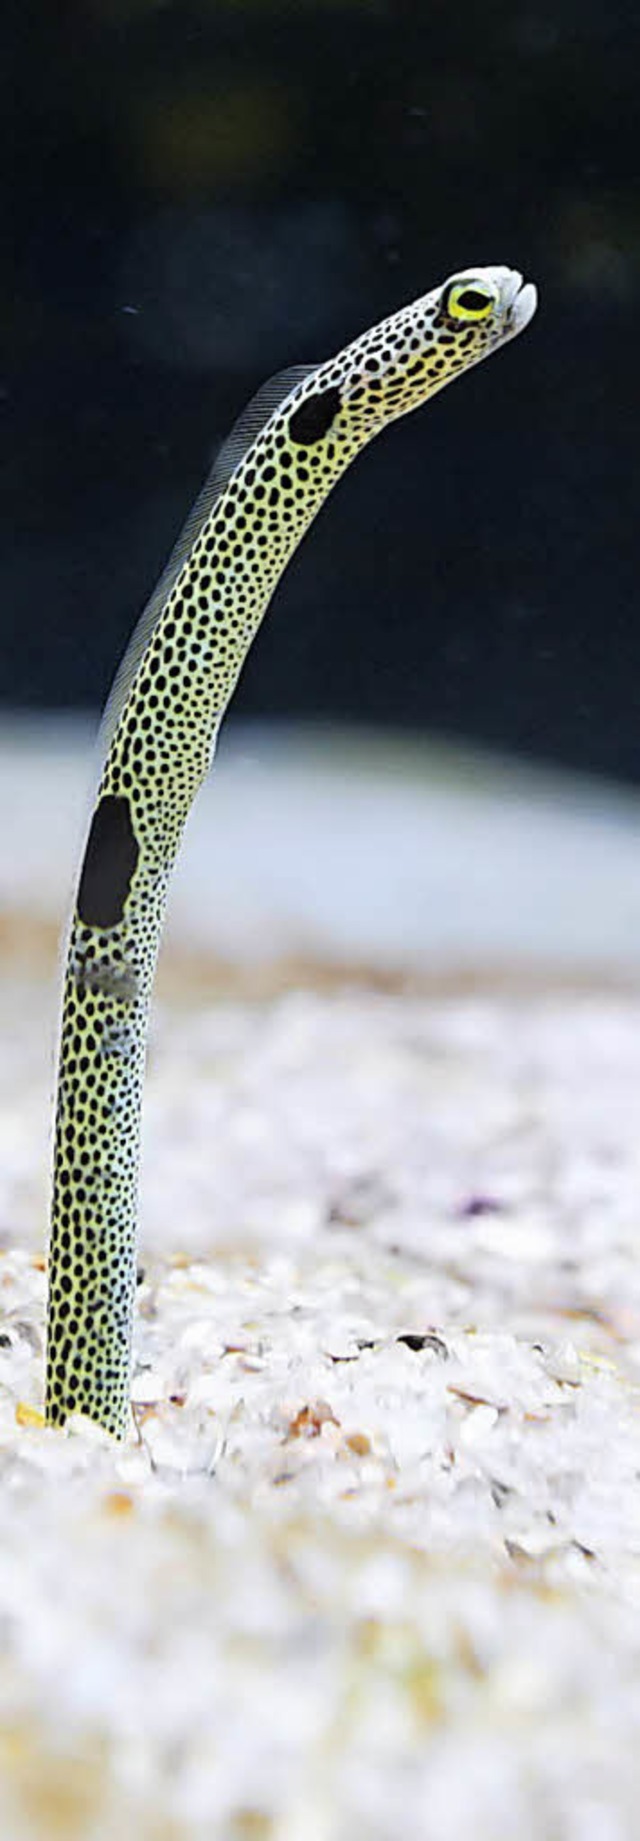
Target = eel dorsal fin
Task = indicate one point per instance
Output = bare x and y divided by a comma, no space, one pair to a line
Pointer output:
244,432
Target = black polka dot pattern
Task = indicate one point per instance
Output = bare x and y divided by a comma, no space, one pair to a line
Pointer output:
158,754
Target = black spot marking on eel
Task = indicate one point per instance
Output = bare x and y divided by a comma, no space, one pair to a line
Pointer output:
109,863
314,417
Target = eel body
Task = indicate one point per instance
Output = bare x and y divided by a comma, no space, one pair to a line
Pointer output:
158,737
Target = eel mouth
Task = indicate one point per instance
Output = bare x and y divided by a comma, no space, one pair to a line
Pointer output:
521,300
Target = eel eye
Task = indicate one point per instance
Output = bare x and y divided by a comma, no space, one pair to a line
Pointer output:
468,300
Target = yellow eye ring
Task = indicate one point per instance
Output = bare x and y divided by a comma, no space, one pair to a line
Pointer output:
468,300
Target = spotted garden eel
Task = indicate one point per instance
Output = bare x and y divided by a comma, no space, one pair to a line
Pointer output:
159,733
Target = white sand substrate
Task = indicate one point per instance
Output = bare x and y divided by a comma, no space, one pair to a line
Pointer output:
369,1565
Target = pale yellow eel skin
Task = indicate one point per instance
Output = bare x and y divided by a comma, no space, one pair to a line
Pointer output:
159,734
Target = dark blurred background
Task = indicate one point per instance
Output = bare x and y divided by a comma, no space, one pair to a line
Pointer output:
197,192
